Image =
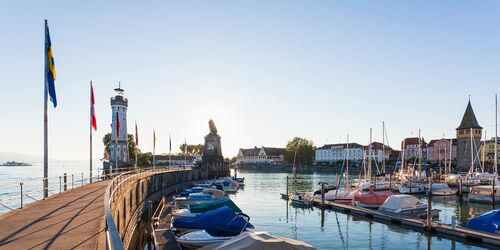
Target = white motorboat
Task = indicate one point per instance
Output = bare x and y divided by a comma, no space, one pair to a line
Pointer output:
259,240
403,204
483,194
415,188
299,199
183,212
199,238
442,189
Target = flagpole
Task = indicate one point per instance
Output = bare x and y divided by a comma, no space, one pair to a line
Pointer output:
154,146
45,123
90,123
169,151
136,144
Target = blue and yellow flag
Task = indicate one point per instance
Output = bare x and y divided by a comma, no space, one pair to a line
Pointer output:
50,68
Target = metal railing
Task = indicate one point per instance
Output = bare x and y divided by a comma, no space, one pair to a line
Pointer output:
120,182
57,185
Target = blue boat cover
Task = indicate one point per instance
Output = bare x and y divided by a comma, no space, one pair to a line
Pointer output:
218,222
211,205
487,222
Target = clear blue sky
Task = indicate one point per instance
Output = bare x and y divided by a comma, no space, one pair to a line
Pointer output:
265,71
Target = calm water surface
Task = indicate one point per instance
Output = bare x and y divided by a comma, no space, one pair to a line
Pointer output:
260,199
326,229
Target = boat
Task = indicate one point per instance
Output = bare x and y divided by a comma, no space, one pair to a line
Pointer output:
193,198
483,194
253,240
15,164
403,204
299,199
415,188
219,222
200,238
488,222
196,209
218,194
227,185
240,181
372,199
442,189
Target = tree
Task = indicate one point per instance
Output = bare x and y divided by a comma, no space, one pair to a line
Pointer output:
305,151
144,159
106,140
192,149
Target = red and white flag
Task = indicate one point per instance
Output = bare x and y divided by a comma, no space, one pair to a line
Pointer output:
136,135
117,126
92,110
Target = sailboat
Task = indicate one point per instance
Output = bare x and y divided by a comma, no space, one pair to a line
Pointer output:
345,194
413,184
372,199
488,193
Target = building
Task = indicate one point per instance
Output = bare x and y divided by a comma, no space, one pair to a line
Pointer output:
176,160
468,140
378,153
438,150
119,147
330,153
411,148
262,155
488,151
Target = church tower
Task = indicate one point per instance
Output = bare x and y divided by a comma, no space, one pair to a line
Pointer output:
119,146
468,140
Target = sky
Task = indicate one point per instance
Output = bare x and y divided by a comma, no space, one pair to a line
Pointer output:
264,71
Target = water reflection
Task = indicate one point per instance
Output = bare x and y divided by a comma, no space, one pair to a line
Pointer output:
327,229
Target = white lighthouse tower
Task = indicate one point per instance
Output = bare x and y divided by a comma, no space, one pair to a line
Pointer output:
119,147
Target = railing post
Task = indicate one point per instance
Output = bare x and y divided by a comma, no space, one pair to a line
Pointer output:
148,226
82,179
429,203
60,184
21,184
72,181
65,180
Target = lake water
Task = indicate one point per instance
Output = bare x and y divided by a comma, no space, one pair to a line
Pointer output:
260,199
326,229
32,176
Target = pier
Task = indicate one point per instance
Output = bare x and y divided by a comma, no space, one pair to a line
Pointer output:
72,219
449,231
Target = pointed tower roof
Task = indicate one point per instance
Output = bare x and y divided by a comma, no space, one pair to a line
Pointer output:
469,120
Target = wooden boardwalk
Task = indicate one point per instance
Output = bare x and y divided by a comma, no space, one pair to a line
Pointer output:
71,220
164,236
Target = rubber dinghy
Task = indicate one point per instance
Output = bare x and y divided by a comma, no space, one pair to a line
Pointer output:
218,222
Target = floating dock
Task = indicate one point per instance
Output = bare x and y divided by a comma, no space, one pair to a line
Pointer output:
164,237
445,230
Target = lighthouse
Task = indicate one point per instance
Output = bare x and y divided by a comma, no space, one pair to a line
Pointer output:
119,147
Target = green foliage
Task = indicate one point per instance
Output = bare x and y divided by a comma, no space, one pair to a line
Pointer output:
106,140
192,149
305,151
144,159
230,160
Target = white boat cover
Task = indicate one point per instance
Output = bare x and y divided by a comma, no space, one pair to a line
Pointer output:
218,194
259,241
400,201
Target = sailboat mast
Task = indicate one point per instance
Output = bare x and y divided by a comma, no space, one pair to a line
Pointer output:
471,153
484,149
496,137
370,157
419,154
449,162
403,150
383,147
346,181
